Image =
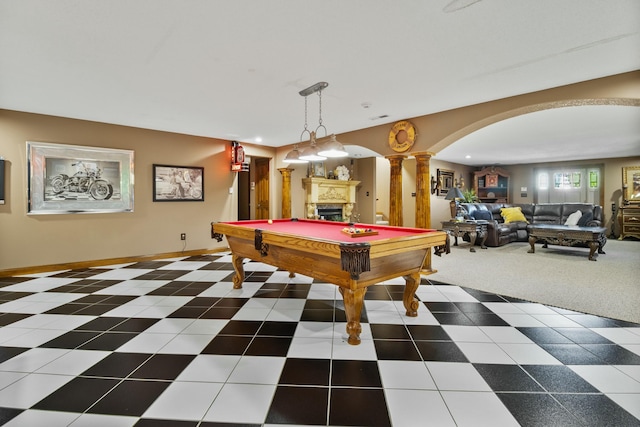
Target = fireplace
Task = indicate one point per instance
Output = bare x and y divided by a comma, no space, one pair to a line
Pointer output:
331,199
330,212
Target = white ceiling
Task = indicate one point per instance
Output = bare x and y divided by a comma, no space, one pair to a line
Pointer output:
232,69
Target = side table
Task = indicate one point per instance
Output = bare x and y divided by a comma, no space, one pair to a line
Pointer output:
476,229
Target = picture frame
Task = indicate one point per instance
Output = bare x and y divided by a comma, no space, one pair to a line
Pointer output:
317,169
631,184
492,180
178,183
445,179
70,179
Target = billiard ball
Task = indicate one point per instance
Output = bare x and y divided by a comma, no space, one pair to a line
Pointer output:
270,221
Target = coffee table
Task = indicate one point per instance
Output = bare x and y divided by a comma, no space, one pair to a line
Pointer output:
568,235
474,228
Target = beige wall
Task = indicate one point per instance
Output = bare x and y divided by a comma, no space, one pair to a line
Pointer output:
153,227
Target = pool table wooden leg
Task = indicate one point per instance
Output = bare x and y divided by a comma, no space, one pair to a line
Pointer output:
353,300
411,304
237,266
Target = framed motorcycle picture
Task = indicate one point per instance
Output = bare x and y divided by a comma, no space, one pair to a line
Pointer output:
70,179
178,183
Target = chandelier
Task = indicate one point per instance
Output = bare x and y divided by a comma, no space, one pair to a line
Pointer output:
315,151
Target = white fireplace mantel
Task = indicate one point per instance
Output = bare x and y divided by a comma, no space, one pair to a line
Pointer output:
322,191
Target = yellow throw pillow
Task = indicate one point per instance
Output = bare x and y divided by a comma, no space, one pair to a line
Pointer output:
513,215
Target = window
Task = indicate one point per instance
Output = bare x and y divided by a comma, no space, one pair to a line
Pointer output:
567,180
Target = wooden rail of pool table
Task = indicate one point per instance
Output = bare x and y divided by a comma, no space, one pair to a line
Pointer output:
321,259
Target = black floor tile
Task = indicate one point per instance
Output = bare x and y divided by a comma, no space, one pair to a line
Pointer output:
559,379
453,319
507,378
428,333
472,307
571,354
71,339
545,336
134,325
101,324
152,422
435,351
117,365
269,346
305,372
396,350
391,332
442,307
486,319
312,412
241,327
613,354
85,392
582,336
163,367
538,410
216,312
108,341
358,407
596,410
355,373
228,344
278,329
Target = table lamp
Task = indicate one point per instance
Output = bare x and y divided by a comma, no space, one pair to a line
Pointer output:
454,194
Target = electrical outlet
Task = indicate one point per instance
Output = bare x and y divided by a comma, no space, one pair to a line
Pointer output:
183,236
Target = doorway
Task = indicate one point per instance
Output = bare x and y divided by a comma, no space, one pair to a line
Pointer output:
262,188
244,196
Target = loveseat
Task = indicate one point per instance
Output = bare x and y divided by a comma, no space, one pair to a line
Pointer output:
501,232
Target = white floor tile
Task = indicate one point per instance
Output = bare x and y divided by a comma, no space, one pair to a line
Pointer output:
556,321
417,408
529,354
205,326
121,274
146,343
43,418
209,368
73,362
607,379
307,347
187,344
95,420
342,350
241,403
478,409
456,376
521,320
184,401
34,338
257,370
31,389
405,375
478,352
169,326
204,276
618,335
504,334
466,333
184,265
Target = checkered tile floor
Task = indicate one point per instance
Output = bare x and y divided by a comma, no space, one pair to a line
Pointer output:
171,343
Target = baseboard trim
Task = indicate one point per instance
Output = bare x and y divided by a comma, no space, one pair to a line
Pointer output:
101,262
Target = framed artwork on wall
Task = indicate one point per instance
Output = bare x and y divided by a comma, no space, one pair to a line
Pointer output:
445,181
65,179
631,184
178,183
316,169
492,180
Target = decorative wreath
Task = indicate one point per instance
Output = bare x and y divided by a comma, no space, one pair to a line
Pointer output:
402,136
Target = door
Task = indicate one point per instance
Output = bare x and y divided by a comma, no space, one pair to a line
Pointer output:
262,188
244,196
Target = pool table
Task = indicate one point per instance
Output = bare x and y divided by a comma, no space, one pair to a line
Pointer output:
326,251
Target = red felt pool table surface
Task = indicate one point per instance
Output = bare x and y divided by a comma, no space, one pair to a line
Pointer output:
328,230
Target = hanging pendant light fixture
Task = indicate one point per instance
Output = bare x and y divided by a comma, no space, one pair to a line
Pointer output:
315,151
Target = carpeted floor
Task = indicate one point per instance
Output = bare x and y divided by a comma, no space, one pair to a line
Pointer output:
558,276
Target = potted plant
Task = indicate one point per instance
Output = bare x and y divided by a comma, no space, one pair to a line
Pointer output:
469,196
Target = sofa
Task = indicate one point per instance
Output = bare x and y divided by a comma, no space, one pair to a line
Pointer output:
501,232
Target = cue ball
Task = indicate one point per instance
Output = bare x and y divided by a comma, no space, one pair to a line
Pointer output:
270,221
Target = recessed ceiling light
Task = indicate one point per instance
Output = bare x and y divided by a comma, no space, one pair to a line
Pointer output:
467,156
258,139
